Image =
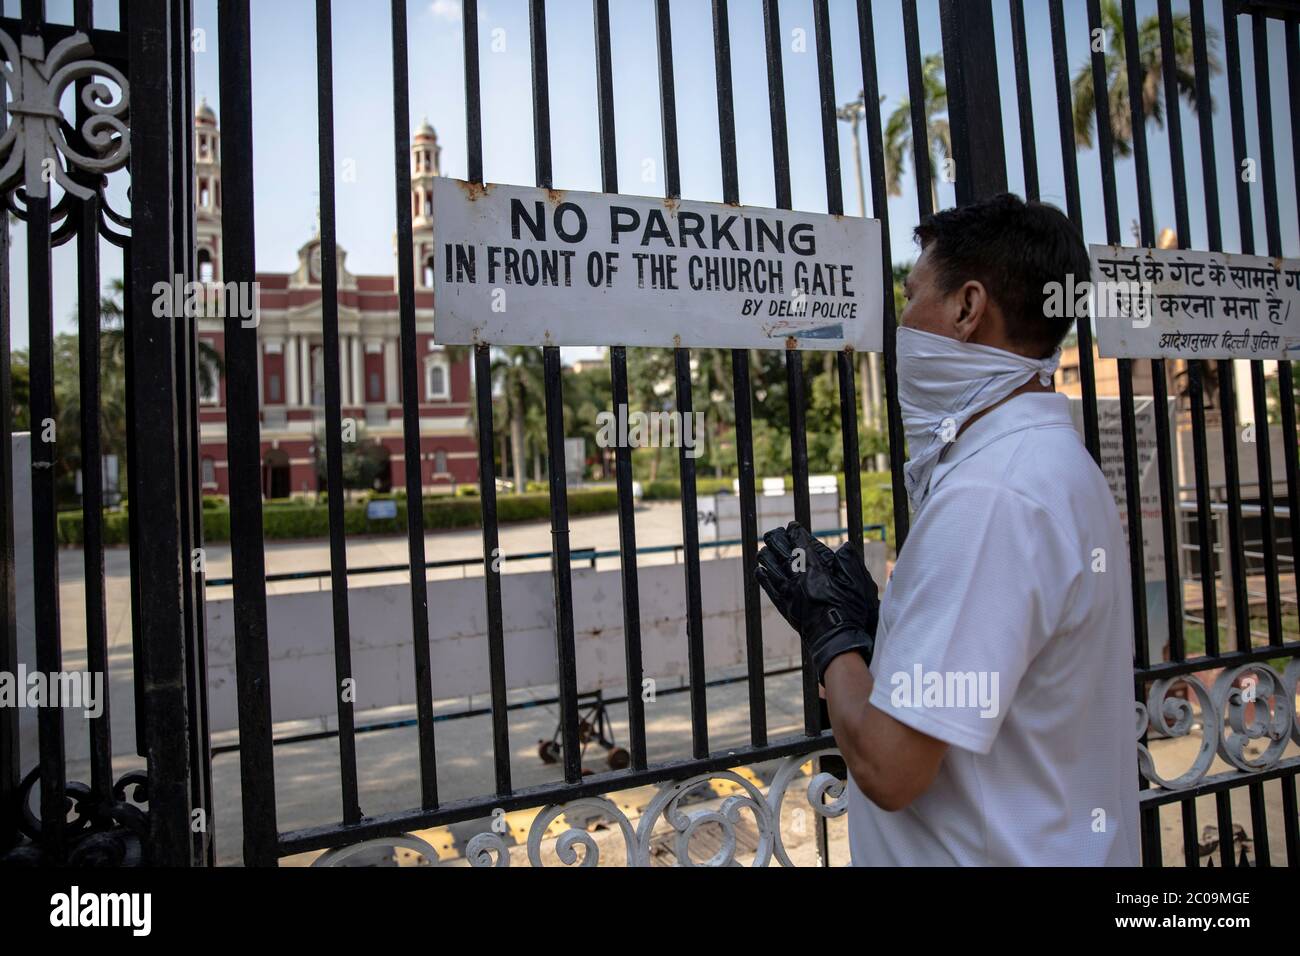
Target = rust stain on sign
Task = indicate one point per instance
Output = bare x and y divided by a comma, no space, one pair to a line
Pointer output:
474,191
555,196
791,342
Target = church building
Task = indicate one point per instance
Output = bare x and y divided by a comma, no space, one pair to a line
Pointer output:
291,367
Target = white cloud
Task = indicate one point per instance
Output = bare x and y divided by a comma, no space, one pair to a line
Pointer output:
446,10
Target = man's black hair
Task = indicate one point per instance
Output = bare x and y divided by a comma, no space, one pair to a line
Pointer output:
1014,248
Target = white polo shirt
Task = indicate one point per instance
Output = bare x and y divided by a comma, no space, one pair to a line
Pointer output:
1007,631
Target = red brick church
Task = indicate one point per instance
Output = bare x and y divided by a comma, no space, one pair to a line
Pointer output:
291,382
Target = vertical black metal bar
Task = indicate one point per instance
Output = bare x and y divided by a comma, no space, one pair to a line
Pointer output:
1074,207
1227,377
492,563
1205,125
627,564
691,565
848,398
921,167
1232,490
243,444
1290,819
334,414
1128,425
45,555
844,359
92,500
492,556
793,359
1233,548
974,103
776,102
880,208
187,393
10,755
411,410
1286,389
685,404
1191,838
1273,230
1169,515
1195,369
561,570
1024,99
1240,147
153,261
92,483
1159,380
1223,816
473,101
835,206
133,515
741,391
1239,611
1105,140
622,452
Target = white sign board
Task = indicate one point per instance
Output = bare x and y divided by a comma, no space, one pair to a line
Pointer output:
1111,434
1177,303
524,266
706,512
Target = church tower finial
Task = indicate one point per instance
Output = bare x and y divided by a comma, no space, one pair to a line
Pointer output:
426,164
207,192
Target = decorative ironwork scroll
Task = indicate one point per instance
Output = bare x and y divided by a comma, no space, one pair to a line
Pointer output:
34,148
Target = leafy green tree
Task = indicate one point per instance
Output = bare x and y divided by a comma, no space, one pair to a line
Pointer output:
898,130
20,404
364,461
517,373
1151,56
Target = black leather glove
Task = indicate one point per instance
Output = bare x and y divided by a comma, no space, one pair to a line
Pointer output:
827,596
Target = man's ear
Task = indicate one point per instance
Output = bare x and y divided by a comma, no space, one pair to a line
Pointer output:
973,321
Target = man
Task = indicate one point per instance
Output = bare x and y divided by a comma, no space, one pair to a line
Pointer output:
987,717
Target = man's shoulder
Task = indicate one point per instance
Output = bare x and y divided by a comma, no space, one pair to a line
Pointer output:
1045,465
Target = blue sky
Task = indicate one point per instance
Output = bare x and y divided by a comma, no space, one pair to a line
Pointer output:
284,108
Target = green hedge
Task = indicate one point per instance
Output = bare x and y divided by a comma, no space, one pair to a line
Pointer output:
877,497
284,521
671,489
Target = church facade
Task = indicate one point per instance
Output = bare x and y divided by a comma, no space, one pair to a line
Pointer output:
291,367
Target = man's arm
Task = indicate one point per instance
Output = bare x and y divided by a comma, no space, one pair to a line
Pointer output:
891,763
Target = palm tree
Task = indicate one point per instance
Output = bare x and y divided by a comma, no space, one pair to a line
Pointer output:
517,371
211,365
898,129
1152,59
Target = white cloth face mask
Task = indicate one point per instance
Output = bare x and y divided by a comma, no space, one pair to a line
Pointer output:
942,382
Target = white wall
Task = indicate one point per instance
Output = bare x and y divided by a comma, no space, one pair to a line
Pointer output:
302,648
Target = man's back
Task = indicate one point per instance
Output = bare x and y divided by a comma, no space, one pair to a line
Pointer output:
1006,631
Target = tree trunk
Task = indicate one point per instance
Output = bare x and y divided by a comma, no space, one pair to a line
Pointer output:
517,441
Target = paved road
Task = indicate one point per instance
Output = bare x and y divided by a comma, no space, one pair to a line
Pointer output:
306,773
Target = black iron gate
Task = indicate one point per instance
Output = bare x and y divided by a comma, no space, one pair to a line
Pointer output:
149,49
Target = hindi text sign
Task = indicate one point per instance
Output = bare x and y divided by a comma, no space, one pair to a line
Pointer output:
1179,303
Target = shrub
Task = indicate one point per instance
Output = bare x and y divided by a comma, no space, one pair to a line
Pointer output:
302,520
